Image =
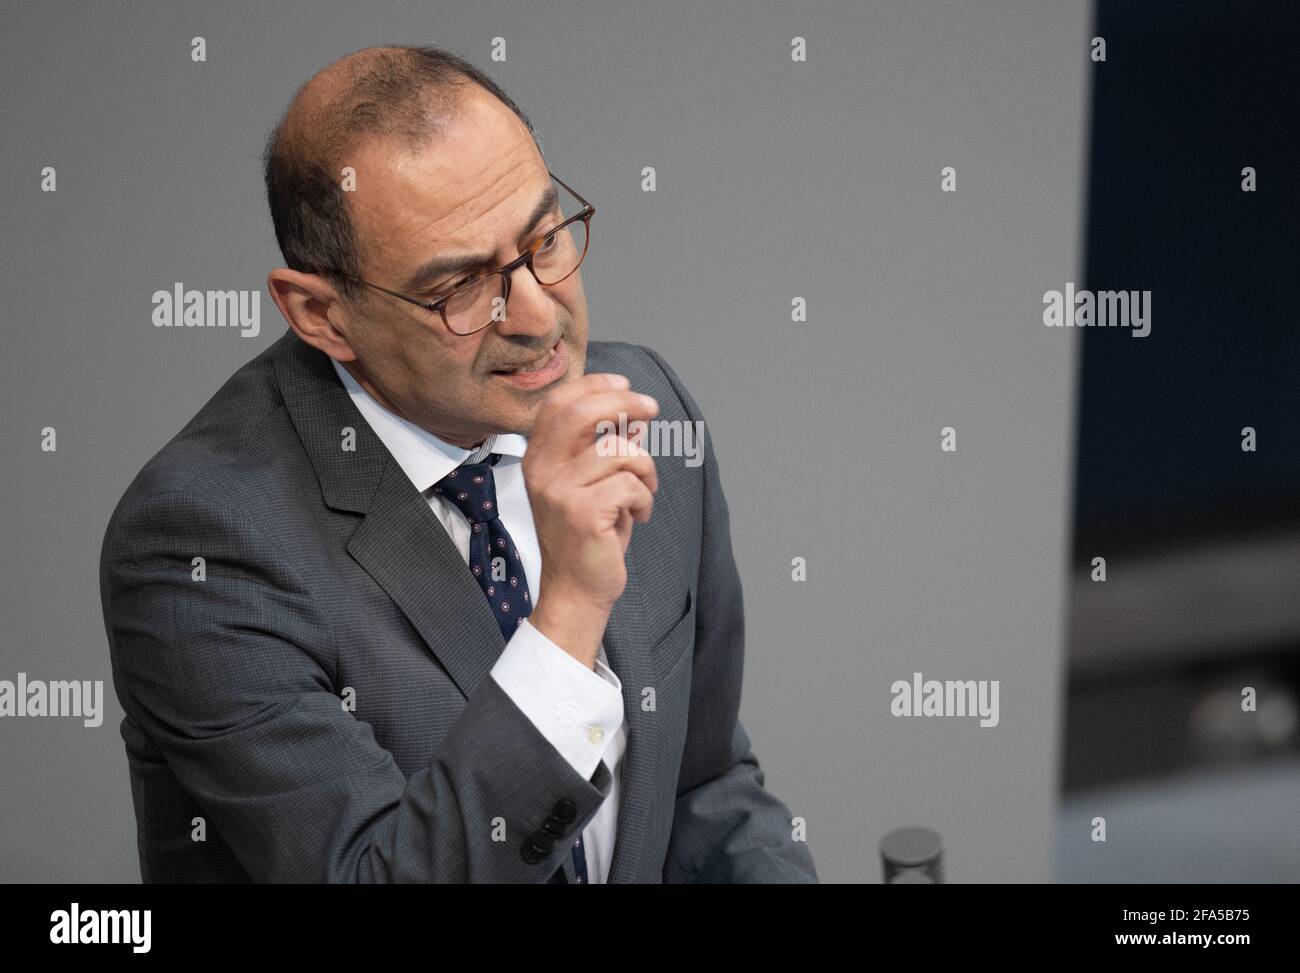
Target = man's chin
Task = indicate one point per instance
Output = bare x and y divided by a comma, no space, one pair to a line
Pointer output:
517,418
521,403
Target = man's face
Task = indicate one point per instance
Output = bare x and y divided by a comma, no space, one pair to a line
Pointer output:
470,191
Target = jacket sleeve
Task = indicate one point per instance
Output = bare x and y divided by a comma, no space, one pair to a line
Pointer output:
231,677
726,826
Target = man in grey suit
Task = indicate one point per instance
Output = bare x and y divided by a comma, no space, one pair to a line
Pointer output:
393,606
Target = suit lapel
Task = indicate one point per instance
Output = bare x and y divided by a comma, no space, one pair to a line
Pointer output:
400,542
402,545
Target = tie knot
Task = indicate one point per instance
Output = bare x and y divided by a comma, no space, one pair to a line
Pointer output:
471,489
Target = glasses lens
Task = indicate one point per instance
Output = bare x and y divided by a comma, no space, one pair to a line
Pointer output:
561,252
476,305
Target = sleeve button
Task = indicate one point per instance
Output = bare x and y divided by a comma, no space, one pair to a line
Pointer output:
537,846
555,827
565,810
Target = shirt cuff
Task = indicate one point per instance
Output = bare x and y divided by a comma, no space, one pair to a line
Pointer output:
577,709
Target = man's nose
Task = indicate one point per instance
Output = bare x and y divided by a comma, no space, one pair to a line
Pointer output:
530,309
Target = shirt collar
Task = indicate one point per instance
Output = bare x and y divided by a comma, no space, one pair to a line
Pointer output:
424,457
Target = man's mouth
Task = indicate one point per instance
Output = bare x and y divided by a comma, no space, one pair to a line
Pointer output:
535,365
538,372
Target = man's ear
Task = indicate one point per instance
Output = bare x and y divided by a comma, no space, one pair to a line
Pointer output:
314,309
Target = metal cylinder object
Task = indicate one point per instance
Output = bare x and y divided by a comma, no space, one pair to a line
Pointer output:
912,856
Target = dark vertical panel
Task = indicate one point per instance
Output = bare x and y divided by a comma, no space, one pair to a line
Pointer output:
1189,94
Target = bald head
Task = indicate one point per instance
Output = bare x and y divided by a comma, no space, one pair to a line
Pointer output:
404,94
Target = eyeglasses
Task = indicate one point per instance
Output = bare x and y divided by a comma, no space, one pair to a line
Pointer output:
477,301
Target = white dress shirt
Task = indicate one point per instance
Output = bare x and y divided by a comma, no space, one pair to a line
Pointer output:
578,710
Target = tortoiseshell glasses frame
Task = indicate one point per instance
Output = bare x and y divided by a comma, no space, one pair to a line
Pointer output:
525,259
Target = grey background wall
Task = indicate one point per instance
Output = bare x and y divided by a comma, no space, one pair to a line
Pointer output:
776,180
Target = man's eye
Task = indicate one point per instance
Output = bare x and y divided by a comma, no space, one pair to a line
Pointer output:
446,288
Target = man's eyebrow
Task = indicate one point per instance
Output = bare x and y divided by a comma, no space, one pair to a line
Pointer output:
439,267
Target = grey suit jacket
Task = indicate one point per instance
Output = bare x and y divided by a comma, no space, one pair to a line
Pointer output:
316,688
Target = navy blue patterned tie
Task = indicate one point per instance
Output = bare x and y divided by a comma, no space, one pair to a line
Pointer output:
495,561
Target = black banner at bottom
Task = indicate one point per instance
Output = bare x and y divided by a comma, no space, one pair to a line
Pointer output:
116,922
